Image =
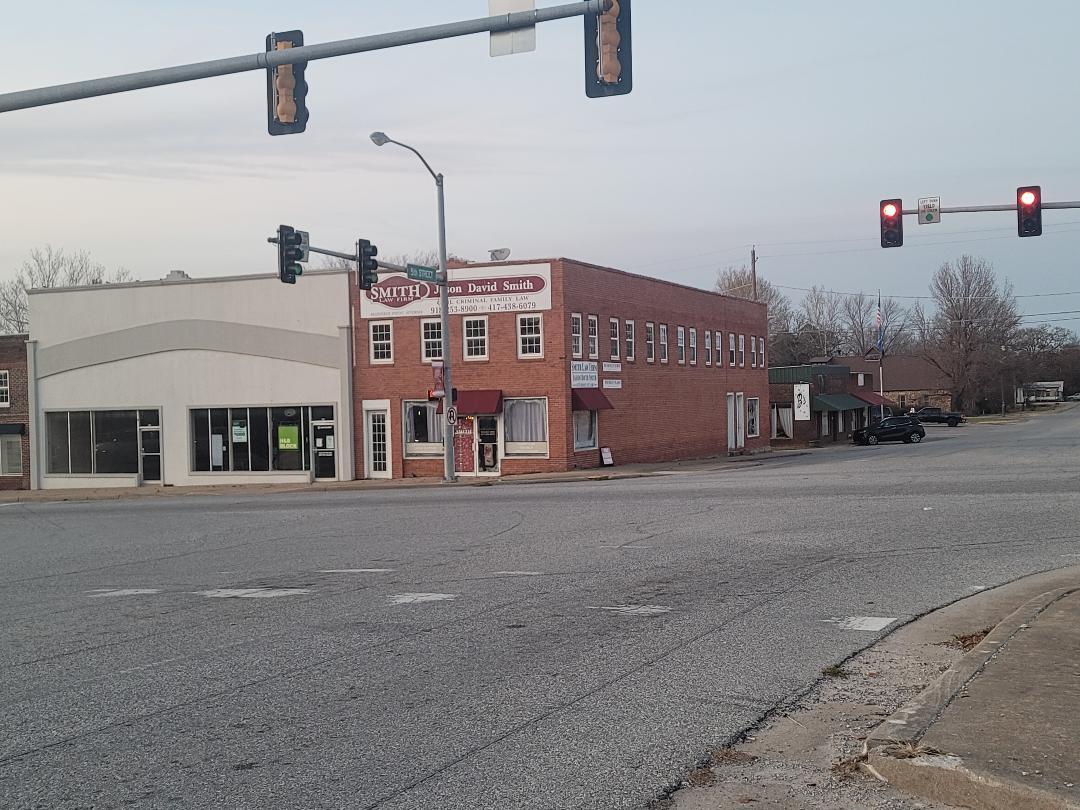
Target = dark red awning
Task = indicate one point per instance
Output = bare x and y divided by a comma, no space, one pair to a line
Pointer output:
590,399
870,397
471,403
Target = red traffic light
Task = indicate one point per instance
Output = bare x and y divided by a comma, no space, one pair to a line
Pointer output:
1028,198
888,210
1029,211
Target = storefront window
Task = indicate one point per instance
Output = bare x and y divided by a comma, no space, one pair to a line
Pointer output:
93,443
584,430
423,429
11,455
753,417
254,439
783,421
525,424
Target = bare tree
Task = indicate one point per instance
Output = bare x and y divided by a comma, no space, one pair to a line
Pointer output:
821,320
974,319
739,282
859,318
48,267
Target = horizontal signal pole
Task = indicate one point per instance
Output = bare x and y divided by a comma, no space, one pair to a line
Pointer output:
350,256
56,94
971,209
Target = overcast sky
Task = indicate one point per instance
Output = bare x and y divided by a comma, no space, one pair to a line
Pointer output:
775,123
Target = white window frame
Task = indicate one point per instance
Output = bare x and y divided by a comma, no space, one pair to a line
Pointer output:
629,330
650,342
471,358
753,351
693,345
731,349
680,344
5,388
540,321
761,351
424,340
577,338
385,361
742,351
528,449
594,337
757,425
718,342
15,440
419,449
708,347
594,418
663,343
614,337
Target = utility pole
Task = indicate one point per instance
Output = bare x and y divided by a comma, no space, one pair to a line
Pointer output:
753,268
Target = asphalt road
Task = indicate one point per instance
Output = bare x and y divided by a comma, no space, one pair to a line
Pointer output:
544,646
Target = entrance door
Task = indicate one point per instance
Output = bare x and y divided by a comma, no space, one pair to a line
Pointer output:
487,444
731,437
464,447
740,418
150,454
377,444
325,462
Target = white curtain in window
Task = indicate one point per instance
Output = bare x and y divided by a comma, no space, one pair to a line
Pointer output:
584,430
525,420
787,420
10,455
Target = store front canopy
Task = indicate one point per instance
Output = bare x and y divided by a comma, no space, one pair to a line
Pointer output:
590,399
837,402
473,403
870,398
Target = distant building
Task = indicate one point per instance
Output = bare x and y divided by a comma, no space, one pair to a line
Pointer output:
14,414
819,404
909,381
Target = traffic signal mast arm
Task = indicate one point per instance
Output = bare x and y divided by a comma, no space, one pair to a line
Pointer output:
971,209
397,268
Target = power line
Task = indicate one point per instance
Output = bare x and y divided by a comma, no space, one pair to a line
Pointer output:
916,297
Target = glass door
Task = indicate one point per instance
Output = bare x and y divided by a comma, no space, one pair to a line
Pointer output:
377,444
325,462
150,446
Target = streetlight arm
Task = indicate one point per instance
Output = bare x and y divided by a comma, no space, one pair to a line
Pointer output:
438,177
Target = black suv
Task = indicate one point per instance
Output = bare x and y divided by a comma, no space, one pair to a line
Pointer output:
891,429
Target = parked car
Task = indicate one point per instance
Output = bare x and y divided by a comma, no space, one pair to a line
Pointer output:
891,429
938,416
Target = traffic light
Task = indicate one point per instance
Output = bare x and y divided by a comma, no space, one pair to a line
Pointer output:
892,223
607,52
286,90
368,265
291,247
1029,211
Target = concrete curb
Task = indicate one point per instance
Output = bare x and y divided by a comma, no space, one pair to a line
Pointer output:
946,778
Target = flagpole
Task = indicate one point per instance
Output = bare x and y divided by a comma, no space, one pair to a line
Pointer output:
881,356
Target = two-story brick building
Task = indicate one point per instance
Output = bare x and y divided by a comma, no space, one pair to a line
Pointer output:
14,414
553,360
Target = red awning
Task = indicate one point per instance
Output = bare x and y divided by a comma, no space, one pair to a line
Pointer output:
471,403
870,397
590,399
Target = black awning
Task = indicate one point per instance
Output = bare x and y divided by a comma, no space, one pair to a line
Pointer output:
12,430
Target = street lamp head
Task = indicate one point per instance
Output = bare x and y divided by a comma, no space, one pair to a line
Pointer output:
379,138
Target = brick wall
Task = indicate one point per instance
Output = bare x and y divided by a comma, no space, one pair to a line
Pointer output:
13,360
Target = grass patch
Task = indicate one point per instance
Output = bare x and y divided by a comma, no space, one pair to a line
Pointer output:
835,671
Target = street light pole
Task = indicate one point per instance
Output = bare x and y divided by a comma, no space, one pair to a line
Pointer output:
449,474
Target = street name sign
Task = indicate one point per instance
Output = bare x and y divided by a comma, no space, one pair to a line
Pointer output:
929,210
417,272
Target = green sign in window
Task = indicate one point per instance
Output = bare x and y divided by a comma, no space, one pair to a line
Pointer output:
288,437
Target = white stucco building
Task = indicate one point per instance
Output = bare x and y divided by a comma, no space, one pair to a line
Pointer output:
184,381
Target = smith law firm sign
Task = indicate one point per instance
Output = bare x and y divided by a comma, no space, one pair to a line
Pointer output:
481,290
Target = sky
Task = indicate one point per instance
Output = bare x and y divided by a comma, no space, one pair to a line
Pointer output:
780,124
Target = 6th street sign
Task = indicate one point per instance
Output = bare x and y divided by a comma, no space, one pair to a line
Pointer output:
418,272
929,210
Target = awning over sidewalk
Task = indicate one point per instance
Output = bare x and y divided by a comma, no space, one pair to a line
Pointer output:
472,403
837,402
871,398
590,399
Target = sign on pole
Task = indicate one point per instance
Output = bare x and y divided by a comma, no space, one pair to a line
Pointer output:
929,210
451,415
519,40
418,272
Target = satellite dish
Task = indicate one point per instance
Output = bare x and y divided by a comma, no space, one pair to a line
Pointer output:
499,254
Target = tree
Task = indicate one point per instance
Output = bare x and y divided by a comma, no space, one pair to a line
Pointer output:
974,318
739,282
859,320
48,267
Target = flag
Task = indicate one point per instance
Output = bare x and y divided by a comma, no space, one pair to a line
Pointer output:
878,324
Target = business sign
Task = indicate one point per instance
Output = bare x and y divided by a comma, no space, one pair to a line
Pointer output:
583,374
613,367
239,432
801,398
612,383
288,437
480,290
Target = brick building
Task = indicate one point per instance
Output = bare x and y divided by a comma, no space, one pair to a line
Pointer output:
820,403
14,414
910,381
553,360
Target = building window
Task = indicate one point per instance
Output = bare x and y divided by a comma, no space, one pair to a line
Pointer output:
5,389
718,337
753,417
783,421
693,346
629,325
253,439
575,334
862,380
423,429
584,430
650,342
525,426
594,337
530,336
742,351
94,442
663,343
708,347
680,344
431,339
761,352
901,400
382,341
10,455
731,349
753,351
476,338
613,337
840,421
824,424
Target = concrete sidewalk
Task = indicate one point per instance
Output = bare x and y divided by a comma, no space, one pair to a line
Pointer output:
714,464
1001,729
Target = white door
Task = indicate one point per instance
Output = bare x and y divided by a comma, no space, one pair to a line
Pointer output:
377,444
740,416
731,422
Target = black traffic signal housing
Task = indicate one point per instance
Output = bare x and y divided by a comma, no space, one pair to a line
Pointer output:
892,223
367,264
1029,211
286,90
608,68
290,245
